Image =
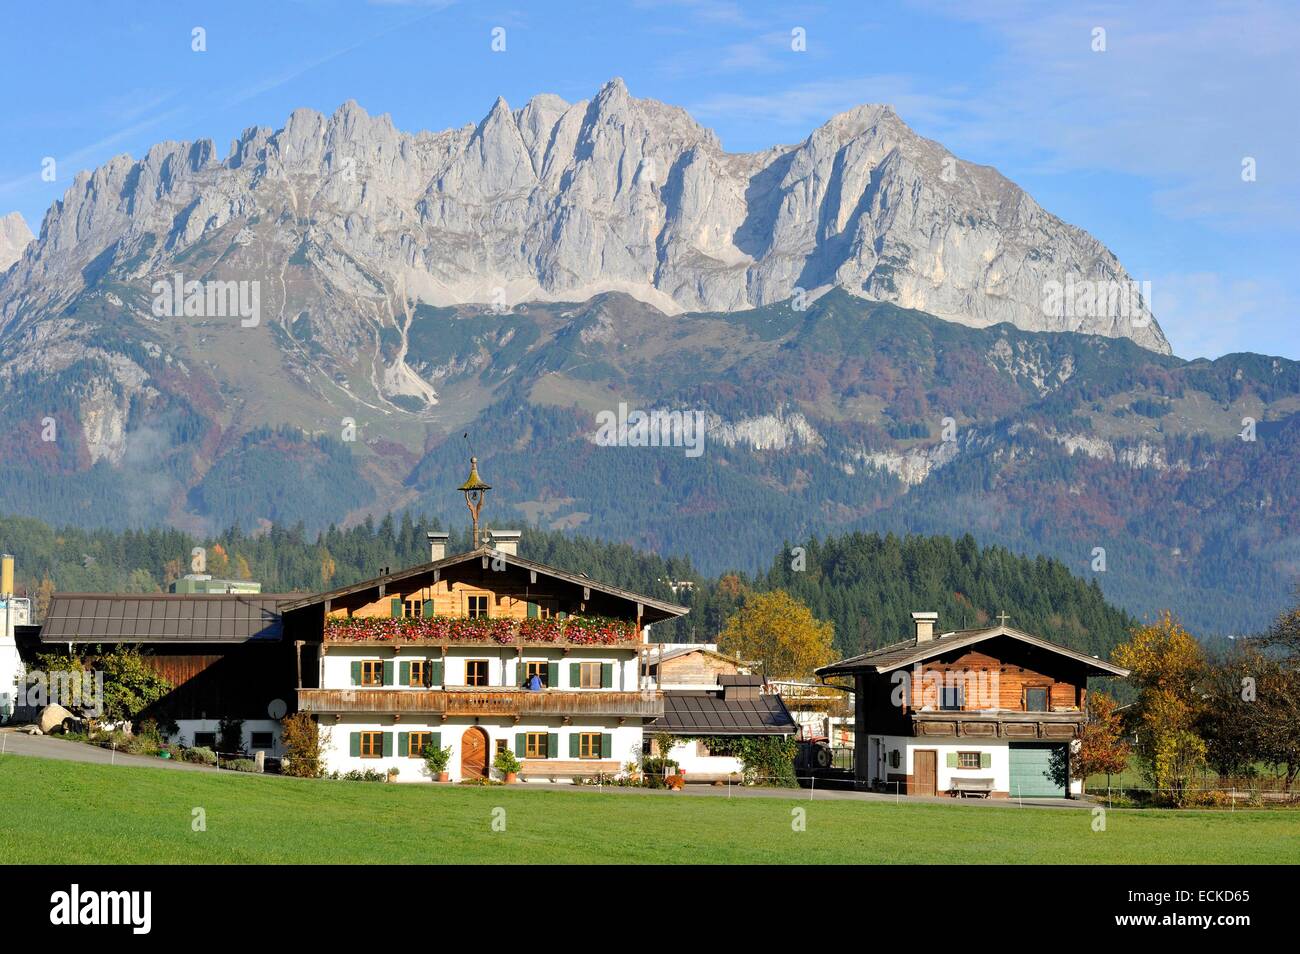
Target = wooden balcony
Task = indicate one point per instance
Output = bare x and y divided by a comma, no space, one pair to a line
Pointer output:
998,723
507,702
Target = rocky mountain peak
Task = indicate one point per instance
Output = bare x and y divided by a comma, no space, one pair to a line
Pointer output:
562,201
15,236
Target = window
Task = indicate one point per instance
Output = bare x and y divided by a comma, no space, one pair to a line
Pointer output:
262,740
372,745
419,673
951,697
416,743
968,760
413,607
476,607
589,676
535,745
589,745
476,672
1036,699
536,668
501,746
207,740
372,672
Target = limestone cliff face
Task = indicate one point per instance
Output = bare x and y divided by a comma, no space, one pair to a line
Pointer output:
14,237
560,201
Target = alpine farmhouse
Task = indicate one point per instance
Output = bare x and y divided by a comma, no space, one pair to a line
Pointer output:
985,712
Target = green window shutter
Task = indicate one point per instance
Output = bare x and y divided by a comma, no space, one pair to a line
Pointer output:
435,672
521,743
356,672
553,745
428,608
532,611
552,675
404,673
952,760
573,745
388,672
435,739
354,744
388,744
607,675
404,743
521,668
575,675
986,760
396,606
606,745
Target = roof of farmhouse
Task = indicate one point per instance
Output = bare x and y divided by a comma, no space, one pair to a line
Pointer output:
194,618
911,651
652,610
710,712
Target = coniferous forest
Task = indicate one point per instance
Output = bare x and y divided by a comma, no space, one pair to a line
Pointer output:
866,584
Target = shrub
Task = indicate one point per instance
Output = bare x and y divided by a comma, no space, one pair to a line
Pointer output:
506,762
200,754
230,736
436,759
301,736
240,765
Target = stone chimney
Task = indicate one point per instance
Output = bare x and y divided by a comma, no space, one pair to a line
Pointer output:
437,545
923,624
506,541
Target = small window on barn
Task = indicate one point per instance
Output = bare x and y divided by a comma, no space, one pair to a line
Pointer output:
263,740
207,740
951,697
968,760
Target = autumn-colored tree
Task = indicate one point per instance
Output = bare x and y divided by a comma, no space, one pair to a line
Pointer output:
1253,707
1102,746
218,560
781,633
44,593
242,569
1166,662
301,736
327,568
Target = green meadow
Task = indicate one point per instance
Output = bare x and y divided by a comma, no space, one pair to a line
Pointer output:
54,812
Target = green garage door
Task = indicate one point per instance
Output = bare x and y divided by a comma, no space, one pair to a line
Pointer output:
1037,769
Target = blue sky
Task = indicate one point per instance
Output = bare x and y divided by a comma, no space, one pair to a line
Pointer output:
1141,144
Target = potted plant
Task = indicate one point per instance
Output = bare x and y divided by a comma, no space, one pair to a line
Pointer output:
393,772
507,763
435,761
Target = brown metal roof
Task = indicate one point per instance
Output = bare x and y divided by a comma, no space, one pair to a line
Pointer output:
148,618
910,651
704,712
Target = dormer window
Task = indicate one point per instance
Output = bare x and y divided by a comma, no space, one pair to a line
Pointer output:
1036,699
952,697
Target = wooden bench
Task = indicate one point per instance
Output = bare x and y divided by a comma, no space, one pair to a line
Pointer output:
976,787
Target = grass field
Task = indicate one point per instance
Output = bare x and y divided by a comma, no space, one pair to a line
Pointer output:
64,812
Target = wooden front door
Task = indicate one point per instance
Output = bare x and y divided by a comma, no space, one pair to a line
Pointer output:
473,753
925,772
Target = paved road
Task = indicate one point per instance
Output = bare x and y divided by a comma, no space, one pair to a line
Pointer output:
15,742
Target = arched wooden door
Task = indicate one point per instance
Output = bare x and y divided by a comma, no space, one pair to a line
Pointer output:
474,753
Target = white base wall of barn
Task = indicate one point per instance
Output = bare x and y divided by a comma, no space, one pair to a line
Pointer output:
188,729
692,757
995,763
338,745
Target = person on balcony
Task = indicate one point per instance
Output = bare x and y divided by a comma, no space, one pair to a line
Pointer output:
534,683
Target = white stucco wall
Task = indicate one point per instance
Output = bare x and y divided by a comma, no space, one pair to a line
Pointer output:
626,742
689,757
999,770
